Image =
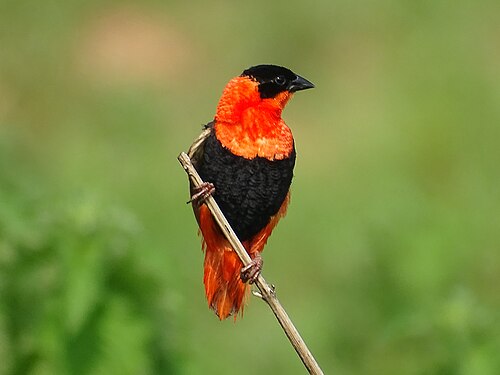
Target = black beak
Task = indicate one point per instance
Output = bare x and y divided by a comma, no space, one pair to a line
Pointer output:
300,83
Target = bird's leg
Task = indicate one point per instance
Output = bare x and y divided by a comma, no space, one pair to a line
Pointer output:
251,272
202,192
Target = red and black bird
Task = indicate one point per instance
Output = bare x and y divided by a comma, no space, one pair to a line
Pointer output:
247,162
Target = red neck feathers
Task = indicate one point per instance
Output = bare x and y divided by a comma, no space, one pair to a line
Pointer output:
250,126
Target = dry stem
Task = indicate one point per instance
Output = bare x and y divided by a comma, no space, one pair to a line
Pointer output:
267,292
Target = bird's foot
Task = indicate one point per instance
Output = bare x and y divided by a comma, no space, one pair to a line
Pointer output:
202,192
251,272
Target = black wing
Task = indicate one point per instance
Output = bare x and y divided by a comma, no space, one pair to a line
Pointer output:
248,191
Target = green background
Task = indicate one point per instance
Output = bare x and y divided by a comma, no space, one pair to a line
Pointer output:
388,261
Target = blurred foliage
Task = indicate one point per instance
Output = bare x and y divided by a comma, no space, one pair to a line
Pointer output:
73,298
388,261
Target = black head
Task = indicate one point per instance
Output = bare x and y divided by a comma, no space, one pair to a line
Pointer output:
274,79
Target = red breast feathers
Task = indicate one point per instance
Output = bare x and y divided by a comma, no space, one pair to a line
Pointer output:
249,125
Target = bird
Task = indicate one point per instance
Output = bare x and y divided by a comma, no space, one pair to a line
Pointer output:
246,160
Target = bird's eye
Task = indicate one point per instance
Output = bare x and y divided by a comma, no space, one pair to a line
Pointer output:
280,80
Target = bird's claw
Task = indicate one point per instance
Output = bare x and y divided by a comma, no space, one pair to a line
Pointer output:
202,192
251,272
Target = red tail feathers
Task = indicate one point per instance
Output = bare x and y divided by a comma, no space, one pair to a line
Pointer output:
223,286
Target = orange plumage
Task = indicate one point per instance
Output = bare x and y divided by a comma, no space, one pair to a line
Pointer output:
249,157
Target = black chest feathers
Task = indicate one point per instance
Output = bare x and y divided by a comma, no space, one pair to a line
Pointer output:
248,191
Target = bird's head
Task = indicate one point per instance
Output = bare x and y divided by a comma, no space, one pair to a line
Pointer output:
261,87
273,80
